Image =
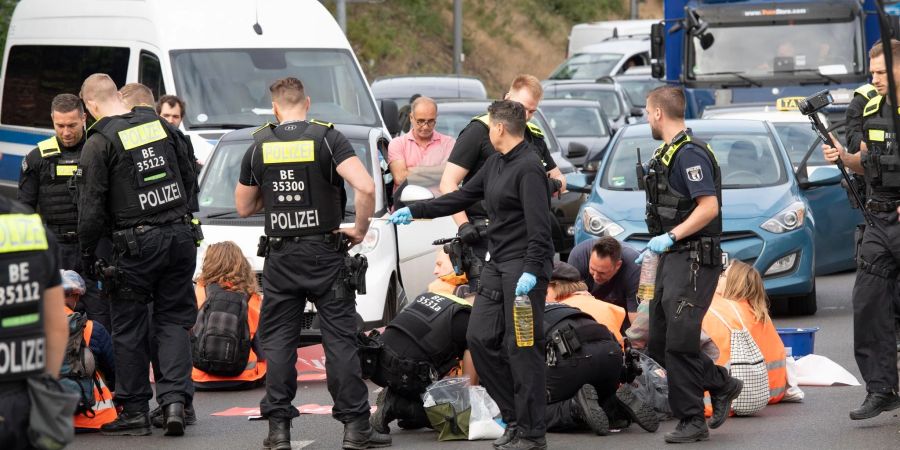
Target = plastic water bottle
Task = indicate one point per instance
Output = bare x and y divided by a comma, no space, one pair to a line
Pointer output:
524,321
647,283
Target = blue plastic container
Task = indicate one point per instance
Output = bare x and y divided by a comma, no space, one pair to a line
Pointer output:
798,342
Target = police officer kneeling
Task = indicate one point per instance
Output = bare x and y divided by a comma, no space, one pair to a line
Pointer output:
34,332
134,175
684,196
296,171
875,292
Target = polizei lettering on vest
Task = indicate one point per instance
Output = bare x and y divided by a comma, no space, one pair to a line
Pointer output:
159,196
22,356
295,220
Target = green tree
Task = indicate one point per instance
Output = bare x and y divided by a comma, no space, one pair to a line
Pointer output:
6,11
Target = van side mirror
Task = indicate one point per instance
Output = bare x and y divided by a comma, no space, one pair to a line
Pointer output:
637,112
413,193
576,150
390,115
578,182
823,176
658,50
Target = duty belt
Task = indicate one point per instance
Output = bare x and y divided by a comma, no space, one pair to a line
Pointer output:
70,237
876,206
692,245
330,238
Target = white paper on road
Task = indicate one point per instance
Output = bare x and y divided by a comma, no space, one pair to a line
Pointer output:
817,370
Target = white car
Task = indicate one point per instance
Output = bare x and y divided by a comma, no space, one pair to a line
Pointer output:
604,59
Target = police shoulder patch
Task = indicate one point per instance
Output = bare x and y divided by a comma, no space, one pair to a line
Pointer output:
694,173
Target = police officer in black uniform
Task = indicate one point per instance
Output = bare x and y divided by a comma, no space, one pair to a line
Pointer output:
34,332
46,183
514,187
135,183
296,172
473,147
875,292
418,347
684,197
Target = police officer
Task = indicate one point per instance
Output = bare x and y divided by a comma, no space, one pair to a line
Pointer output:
134,179
684,197
296,172
46,183
875,291
472,149
421,344
513,184
34,330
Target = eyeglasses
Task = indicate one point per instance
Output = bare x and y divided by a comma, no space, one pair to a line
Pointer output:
426,122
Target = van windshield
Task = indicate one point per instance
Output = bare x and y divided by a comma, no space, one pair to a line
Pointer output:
230,88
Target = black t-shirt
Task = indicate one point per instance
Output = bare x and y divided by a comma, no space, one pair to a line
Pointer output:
622,289
405,347
692,172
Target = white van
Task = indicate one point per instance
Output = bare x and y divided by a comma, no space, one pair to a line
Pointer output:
584,34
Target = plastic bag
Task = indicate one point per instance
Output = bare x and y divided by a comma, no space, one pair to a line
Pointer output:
639,331
482,424
458,411
652,387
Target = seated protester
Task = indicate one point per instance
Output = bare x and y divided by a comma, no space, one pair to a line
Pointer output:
447,282
422,146
566,287
585,365
99,343
426,339
745,294
609,270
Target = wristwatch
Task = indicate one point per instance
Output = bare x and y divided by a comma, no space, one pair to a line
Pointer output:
671,236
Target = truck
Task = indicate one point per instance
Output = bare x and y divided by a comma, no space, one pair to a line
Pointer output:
740,51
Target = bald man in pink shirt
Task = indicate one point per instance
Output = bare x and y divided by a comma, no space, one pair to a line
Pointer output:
422,146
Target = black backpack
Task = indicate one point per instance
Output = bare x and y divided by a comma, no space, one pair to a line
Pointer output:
220,340
78,373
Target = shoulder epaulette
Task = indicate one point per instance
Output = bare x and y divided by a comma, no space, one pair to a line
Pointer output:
268,125
324,124
867,91
535,130
873,105
49,147
483,119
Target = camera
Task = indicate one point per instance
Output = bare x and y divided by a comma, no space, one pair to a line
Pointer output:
815,102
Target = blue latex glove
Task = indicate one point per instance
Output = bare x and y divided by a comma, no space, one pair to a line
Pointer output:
402,216
660,243
526,283
639,259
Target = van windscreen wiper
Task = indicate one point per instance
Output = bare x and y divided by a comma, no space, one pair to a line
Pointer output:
221,126
231,212
749,80
814,72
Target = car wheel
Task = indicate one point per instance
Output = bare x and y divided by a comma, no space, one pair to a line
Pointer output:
390,301
804,305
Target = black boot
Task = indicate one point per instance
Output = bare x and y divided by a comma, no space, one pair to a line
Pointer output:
174,418
156,416
721,402
279,437
384,413
688,430
524,443
586,409
875,404
128,424
508,435
359,434
636,410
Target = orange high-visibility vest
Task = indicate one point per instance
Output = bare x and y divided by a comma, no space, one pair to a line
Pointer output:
440,286
104,409
255,368
764,334
612,316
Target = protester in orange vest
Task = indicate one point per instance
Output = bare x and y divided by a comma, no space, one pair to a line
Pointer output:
566,286
447,282
96,338
225,265
745,291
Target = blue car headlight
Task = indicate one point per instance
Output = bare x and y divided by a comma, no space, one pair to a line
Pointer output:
599,225
788,219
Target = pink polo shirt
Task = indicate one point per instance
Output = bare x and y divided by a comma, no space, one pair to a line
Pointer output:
405,148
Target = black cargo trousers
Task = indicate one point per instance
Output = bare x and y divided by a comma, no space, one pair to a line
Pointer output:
684,291
874,298
294,273
161,272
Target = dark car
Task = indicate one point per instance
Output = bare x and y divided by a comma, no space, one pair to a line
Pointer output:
453,116
401,88
580,125
637,83
611,97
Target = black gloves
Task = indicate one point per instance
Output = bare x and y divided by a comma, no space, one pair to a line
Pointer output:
468,233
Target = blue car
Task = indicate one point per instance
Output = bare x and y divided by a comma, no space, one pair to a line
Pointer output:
767,219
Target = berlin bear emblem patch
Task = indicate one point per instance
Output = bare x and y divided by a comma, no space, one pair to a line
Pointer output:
694,173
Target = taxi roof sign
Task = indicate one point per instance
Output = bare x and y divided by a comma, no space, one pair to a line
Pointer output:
788,103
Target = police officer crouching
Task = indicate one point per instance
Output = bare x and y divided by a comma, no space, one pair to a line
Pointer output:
684,196
133,184
296,172
46,183
34,332
875,290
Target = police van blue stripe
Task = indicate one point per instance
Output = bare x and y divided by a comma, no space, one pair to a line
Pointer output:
11,163
22,137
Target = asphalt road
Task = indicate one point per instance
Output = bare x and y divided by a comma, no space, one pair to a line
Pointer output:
820,422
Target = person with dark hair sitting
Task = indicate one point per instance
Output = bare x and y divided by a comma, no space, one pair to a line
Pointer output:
609,272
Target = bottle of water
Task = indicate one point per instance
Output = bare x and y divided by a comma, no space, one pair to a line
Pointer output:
524,321
647,283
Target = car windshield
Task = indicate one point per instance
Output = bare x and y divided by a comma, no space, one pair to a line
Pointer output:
230,88
747,160
588,66
638,89
797,137
574,121
608,99
781,50
221,176
451,123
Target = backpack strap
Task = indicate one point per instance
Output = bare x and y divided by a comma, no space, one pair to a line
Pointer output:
738,314
88,331
719,316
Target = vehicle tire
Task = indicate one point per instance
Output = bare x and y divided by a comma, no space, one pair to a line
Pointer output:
803,305
390,301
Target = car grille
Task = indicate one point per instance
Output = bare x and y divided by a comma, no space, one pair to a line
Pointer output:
308,317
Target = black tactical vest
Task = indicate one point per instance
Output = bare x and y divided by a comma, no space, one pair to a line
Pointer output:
428,321
23,249
555,313
667,208
882,161
56,202
144,179
299,200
